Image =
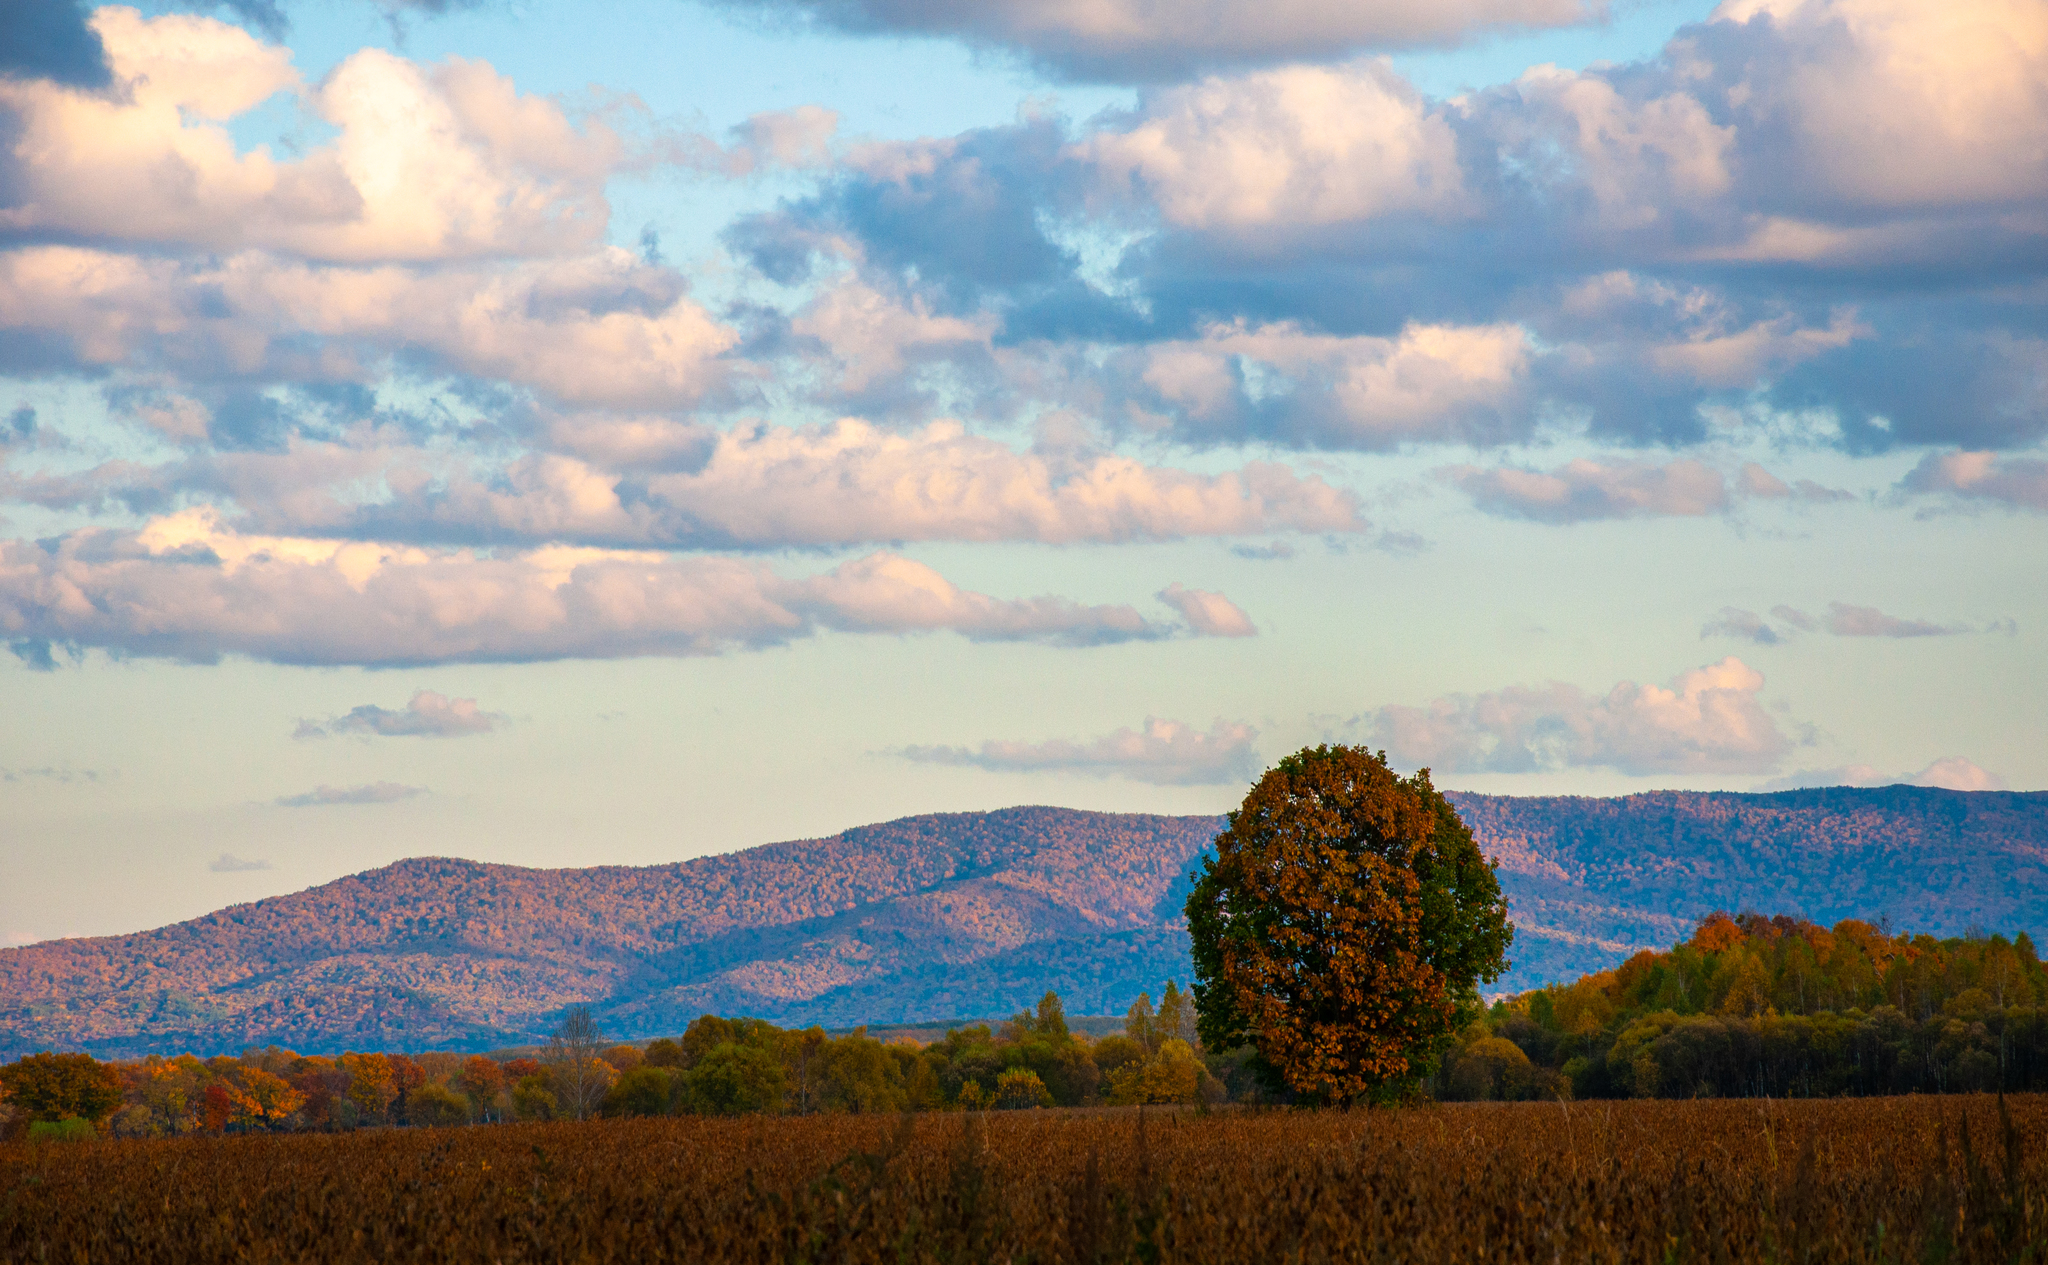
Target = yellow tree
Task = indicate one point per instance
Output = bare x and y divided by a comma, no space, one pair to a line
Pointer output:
1343,926
371,1086
261,1100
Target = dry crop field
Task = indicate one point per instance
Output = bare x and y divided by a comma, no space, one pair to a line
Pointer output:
1895,1179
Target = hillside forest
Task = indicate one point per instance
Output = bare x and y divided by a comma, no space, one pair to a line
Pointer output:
1747,1005
964,916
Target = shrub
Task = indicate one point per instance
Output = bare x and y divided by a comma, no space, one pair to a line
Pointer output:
1020,1087
532,1099
437,1105
69,1129
644,1091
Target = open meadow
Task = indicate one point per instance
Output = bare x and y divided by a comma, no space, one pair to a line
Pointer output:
1890,1179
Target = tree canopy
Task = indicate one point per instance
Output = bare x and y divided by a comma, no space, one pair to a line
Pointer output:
1343,926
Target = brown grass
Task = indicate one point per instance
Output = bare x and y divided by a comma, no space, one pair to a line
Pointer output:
1900,1179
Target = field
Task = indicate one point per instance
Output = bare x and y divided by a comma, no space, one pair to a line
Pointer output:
1895,1179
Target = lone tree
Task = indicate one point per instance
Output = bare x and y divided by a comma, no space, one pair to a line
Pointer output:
1343,926
571,1053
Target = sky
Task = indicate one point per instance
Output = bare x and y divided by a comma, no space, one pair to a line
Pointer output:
570,435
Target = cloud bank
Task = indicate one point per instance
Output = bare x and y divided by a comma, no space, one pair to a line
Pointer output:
1163,753
1708,720
187,588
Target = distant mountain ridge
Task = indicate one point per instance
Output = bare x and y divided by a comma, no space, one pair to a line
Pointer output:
961,914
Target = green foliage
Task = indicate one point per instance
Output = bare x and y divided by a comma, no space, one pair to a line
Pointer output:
1343,926
732,1079
1020,1087
69,1129
533,1098
436,1106
644,1091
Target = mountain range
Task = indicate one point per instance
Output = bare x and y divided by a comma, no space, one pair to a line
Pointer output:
963,915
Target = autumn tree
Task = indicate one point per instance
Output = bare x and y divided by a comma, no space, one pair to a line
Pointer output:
371,1085
50,1087
481,1080
1343,926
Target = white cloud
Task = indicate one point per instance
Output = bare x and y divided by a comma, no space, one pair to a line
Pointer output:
1891,103
1164,753
1301,145
870,337
1637,158
853,481
325,796
188,588
1209,614
429,163
2019,482
426,715
1428,383
1952,773
1708,720
1582,490
755,485
600,329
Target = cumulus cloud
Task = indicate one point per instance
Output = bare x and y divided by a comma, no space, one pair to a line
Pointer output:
602,328
1130,40
1708,720
370,793
1429,383
1582,490
2017,482
186,587
1326,197
429,163
1163,753
1301,145
753,486
1209,614
229,863
1952,773
426,715
852,481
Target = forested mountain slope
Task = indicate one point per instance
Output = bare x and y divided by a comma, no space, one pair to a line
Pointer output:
963,914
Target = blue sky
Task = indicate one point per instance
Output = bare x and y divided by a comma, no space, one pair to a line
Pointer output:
564,438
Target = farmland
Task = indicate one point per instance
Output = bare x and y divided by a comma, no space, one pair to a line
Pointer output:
1960,1178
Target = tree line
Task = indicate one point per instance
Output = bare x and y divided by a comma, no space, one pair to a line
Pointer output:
1751,1005
718,1066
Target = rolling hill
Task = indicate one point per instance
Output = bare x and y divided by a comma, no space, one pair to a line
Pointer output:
962,914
